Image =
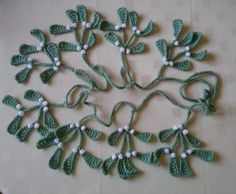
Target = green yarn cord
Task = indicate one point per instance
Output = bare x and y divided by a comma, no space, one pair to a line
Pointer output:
180,143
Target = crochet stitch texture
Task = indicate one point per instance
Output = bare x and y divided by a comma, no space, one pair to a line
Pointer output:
180,145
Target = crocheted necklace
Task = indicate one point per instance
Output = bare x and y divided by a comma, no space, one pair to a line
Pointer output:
180,144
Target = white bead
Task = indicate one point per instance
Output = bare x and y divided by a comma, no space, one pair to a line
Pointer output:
68,27
167,62
127,51
21,113
126,128
189,151
117,27
45,109
45,103
41,44
123,25
134,28
56,140
134,153
18,107
132,131
117,43
77,124
120,156
183,155
137,32
86,46
172,155
171,63
88,25
176,43
122,49
72,125
56,59
55,68
185,131
174,38
41,100
78,48
187,48
82,151
82,52
83,127
36,125
30,125
29,66
60,145
74,25
164,59
113,157
120,129
29,59
58,63
167,150
128,154
175,127
84,23
74,150
187,54
180,126
39,48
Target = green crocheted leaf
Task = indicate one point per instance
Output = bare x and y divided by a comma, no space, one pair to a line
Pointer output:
52,50
174,167
193,141
55,160
32,95
187,39
197,36
206,155
106,165
67,46
198,56
19,60
38,34
120,167
22,75
113,137
69,164
96,19
93,134
185,168
46,75
14,125
183,65
46,141
10,101
82,12
177,25
72,15
91,39
58,29
111,37
49,121
145,157
122,14
138,48
147,30
162,47
63,130
23,133
130,169
165,134
106,26
42,131
143,136
92,161
133,17
156,156
26,49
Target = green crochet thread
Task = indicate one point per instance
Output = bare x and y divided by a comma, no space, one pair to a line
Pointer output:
181,144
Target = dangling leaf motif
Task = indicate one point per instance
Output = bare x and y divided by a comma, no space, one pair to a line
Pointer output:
106,26
26,49
206,155
69,164
46,75
164,135
122,14
38,34
198,56
82,12
92,161
162,47
91,39
63,130
143,136
32,95
19,60
183,65
187,39
133,16
52,50
185,168
93,134
14,125
96,19
177,25
121,169
23,75
49,121
174,167
42,131
46,141
67,46
113,137
23,133
72,15
10,101
138,48
130,169
111,36
147,30
193,141
197,36
55,160
58,29
145,157
106,165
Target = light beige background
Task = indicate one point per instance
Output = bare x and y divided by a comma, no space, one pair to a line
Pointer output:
24,169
